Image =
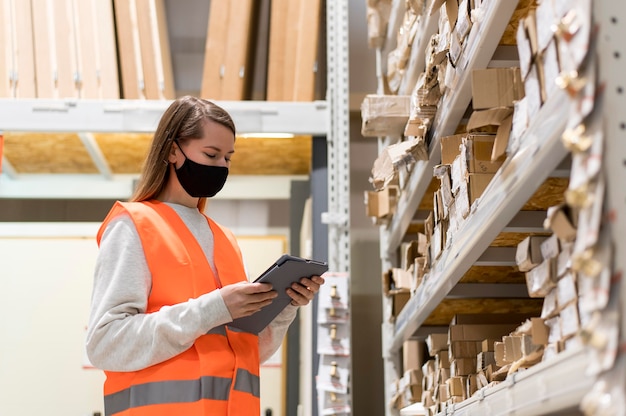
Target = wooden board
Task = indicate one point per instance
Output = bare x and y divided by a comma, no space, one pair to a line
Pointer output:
124,153
154,50
549,193
87,56
493,274
107,66
44,49
227,71
293,50
278,52
127,33
306,50
65,49
17,50
443,313
507,239
47,153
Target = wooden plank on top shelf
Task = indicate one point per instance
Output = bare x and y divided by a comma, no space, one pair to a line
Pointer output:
65,50
238,59
215,47
309,18
480,46
228,53
512,239
6,50
22,53
129,51
447,308
154,50
87,48
293,48
278,53
104,27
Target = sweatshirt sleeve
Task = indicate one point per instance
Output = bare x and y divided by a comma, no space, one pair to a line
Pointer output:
120,335
272,336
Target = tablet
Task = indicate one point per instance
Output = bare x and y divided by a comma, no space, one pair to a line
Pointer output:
285,271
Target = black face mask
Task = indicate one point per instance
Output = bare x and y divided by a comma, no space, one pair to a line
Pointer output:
201,181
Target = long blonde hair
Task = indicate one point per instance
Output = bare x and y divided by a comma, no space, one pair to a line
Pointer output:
181,120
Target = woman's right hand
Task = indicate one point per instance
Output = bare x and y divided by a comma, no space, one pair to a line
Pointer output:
244,298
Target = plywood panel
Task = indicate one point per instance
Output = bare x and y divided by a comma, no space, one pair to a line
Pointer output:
108,81
129,52
65,49
164,63
237,61
24,52
550,193
47,153
442,315
278,51
254,156
507,239
87,48
124,152
306,50
5,50
227,71
148,48
493,274
44,48
215,48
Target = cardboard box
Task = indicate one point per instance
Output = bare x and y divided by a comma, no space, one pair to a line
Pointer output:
484,359
528,254
532,87
539,331
456,386
436,343
496,87
570,322
566,291
524,51
399,298
512,348
461,202
462,367
554,324
471,384
478,332
487,345
499,354
559,220
463,349
477,183
564,260
479,149
413,354
550,307
541,279
450,148
384,115
550,247
382,204
442,359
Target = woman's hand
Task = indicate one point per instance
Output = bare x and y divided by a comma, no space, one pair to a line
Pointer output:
244,299
304,291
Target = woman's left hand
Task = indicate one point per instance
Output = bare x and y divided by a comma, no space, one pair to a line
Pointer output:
304,291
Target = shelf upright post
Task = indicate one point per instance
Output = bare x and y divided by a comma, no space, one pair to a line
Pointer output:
611,20
337,216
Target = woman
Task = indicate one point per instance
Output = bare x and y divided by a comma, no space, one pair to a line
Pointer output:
168,280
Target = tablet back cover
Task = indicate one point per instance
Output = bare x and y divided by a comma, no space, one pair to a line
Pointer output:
286,270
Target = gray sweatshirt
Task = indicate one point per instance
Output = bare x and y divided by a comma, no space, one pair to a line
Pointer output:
121,337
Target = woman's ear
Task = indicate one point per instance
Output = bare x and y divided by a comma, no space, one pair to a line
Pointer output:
173,150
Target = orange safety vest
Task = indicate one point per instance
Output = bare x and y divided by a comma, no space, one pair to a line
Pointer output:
219,374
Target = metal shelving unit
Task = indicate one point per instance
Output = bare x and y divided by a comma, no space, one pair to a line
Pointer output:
541,153
142,116
560,384
480,47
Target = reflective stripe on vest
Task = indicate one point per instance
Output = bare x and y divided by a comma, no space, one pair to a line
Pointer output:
219,374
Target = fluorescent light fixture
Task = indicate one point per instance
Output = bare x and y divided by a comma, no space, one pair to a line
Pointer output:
266,135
